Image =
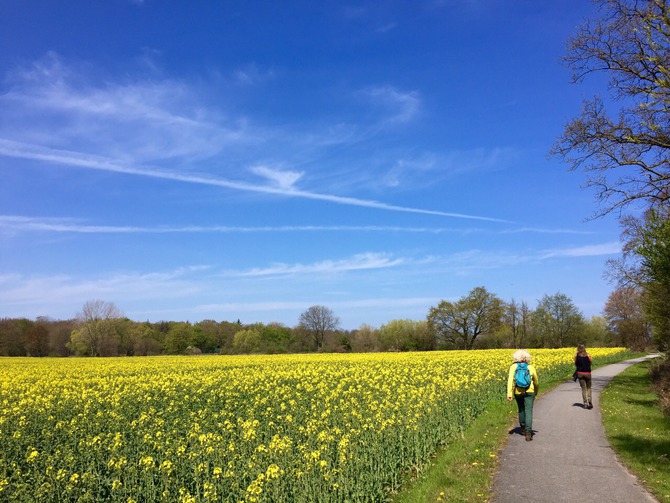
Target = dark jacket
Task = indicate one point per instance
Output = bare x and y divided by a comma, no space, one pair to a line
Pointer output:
583,364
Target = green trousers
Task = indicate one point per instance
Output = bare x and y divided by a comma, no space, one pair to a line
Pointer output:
585,383
524,402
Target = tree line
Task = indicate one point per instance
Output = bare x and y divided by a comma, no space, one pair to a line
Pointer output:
479,320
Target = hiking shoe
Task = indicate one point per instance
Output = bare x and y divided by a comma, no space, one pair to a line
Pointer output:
590,405
529,436
523,430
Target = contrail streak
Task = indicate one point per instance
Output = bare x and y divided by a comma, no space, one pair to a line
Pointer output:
10,148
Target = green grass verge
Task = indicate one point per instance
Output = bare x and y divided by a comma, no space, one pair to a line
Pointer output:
637,429
463,471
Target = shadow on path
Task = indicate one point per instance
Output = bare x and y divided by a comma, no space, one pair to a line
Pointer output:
569,459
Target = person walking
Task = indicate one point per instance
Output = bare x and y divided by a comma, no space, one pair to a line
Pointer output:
583,364
523,385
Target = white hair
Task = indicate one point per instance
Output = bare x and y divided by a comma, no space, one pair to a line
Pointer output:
521,355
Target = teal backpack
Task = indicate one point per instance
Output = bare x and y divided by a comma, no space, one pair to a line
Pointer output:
522,376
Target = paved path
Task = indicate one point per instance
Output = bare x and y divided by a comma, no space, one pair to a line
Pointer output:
569,458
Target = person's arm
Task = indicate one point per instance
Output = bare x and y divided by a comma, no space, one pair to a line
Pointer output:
510,383
536,381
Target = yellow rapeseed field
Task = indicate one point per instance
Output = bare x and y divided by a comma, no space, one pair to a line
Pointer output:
239,428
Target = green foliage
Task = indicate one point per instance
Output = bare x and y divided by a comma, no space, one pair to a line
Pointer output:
79,343
637,429
178,338
653,247
275,338
146,339
457,325
406,335
558,322
247,341
659,372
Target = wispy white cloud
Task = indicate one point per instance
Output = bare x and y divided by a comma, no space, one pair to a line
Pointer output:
252,75
541,230
20,223
10,148
162,129
374,302
399,106
72,225
358,262
18,289
53,105
470,261
281,178
387,27
595,250
426,168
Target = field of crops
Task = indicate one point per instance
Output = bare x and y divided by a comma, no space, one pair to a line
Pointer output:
246,428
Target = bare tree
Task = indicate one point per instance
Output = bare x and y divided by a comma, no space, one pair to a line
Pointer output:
625,318
626,156
517,317
318,321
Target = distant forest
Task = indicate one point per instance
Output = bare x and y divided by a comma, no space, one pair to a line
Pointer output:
479,320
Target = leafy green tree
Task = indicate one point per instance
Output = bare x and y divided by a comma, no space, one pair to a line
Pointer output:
247,341
457,325
406,335
653,247
558,321
146,339
275,338
178,337
204,336
596,333
211,336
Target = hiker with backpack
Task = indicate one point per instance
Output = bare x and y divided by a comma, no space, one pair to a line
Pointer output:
583,365
522,385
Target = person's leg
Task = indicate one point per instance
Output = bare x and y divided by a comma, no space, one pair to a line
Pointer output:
528,399
582,383
587,381
522,412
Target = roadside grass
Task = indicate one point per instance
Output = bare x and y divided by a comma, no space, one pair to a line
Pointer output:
463,471
637,429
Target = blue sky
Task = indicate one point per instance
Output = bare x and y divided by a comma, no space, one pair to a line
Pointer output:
249,159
